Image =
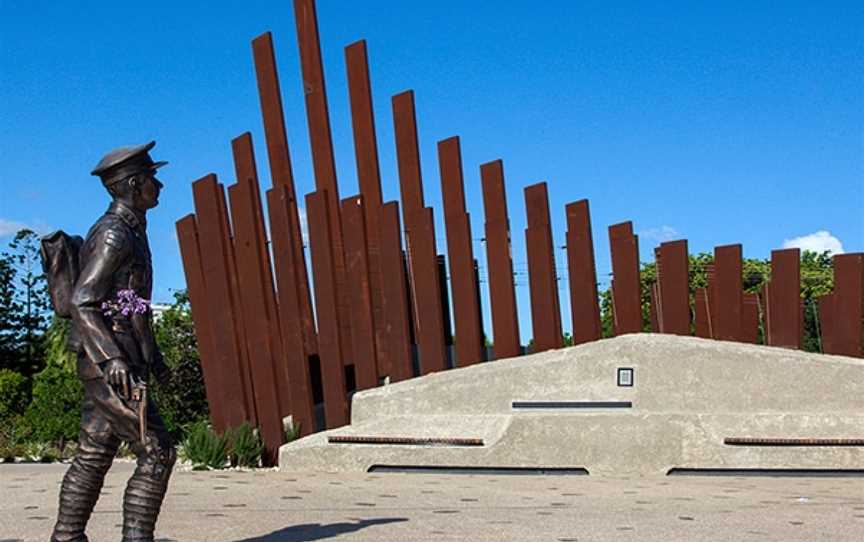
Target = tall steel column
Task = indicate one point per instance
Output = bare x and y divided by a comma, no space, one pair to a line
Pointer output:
584,307
542,279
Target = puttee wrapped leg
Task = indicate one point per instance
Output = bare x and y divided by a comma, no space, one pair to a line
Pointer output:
147,487
82,485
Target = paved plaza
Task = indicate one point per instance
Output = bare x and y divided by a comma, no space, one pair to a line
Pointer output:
270,506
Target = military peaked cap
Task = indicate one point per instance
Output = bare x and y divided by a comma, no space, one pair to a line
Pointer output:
124,162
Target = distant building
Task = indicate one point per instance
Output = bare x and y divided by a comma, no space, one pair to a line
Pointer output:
158,309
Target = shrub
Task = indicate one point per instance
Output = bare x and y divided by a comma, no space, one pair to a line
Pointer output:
14,394
41,452
181,398
245,446
204,448
291,429
55,412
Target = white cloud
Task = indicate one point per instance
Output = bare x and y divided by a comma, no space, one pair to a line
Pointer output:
819,241
661,234
9,228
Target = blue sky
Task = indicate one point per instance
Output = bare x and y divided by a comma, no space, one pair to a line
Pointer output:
723,123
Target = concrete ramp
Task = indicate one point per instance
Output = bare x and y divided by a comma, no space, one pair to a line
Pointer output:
637,404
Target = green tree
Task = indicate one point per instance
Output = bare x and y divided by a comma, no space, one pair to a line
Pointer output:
816,280
55,411
181,398
10,312
28,313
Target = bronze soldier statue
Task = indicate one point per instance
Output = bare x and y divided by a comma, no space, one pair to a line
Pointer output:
111,320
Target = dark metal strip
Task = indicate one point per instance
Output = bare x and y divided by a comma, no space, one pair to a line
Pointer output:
419,441
816,473
572,404
755,441
493,471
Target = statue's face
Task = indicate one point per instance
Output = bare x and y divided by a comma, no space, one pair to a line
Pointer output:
147,195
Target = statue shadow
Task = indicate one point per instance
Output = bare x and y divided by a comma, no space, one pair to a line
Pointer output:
316,531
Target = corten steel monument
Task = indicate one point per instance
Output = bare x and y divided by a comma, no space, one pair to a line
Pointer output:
381,302
104,286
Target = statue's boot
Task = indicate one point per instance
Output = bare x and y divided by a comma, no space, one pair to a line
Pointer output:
145,492
81,486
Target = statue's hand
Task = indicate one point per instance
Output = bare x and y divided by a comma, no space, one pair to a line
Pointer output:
117,374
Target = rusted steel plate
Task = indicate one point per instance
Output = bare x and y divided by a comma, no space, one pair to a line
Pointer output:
217,265
673,287
408,154
783,300
329,342
420,240
755,441
728,293
249,221
321,143
235,297
502,295
702,318
222,389
272,396
750,318
395,296
844,329
290,301
543,283
280,170
369,179
359,294
466,309
584,307
627,307
415,441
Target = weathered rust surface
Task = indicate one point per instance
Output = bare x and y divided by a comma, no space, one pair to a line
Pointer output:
584,307
543,282
359,295
329,343
261,323
369,179
321,142
394,292
235,299
728,293
750,318
223,389
783,300
502,295
226,330
463,283
280,171
627,304
842,329
702,317
290,302
673,275
420,239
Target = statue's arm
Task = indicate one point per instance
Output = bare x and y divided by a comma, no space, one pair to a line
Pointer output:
109,250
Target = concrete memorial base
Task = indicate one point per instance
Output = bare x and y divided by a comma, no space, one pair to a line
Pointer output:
633,405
